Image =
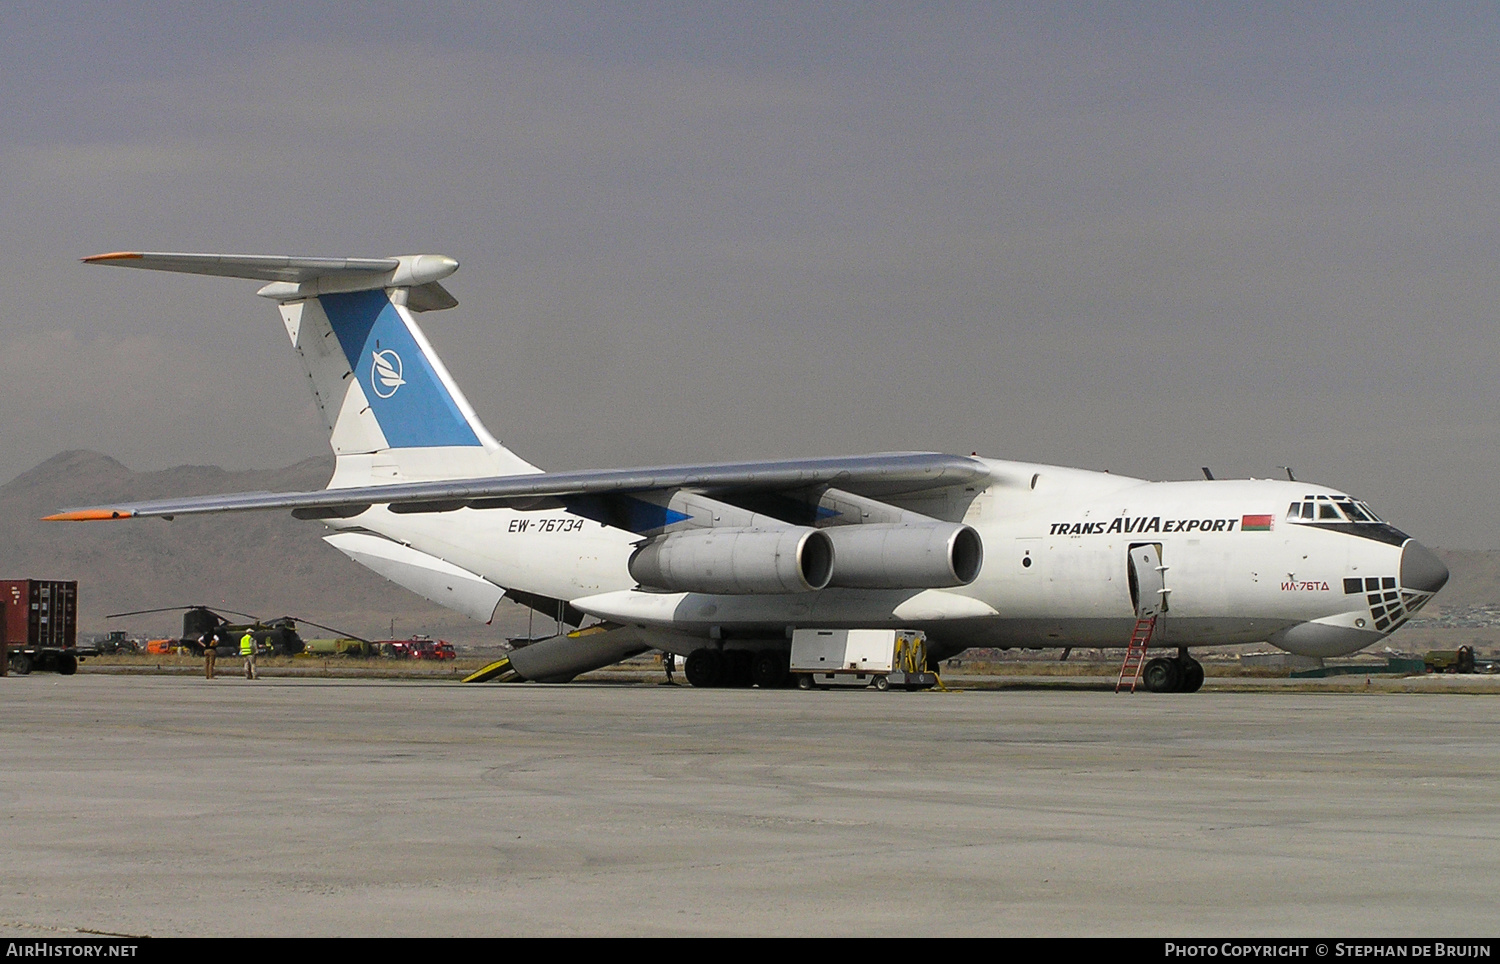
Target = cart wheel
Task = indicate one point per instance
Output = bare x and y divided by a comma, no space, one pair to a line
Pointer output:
20,664
882,684
804,681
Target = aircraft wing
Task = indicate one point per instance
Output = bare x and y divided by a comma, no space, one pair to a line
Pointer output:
870,475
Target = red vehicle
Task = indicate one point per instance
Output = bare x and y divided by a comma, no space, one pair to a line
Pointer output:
39,625
435,649
418,647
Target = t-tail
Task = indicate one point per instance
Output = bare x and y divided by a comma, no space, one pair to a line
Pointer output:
393,412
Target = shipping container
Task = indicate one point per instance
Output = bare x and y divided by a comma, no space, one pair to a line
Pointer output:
39,622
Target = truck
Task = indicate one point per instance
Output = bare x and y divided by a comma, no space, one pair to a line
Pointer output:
418,647
343,646
825,658
117,642
1459,660
39,625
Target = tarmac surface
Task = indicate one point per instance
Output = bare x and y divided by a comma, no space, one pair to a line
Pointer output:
171,805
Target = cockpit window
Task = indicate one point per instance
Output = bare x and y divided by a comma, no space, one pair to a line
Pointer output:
1323,508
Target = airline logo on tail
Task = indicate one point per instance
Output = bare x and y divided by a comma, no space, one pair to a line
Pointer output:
385,373
370,327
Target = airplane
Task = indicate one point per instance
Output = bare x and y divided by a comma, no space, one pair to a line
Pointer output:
720,563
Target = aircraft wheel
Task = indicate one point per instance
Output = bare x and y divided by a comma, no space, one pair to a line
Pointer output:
768,670
20,664
67,664
1161,675
882,684
1192,676
705,667
739,667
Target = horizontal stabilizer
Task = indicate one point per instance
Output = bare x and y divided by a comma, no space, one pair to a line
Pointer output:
294,278
259,267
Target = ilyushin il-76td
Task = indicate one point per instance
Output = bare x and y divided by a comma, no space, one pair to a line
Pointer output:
721,562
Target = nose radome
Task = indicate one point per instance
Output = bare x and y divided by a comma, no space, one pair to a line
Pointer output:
1420,569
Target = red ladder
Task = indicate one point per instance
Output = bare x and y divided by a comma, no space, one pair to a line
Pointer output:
1135,654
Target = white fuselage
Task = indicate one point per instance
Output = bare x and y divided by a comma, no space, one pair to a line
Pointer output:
1056,572
1035,555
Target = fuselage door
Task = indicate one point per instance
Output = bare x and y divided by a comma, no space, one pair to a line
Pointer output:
1148,580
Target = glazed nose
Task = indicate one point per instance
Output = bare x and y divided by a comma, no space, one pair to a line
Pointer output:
1420,569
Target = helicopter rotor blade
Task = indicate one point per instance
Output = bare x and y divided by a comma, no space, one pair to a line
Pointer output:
331,629
168,609
235,612
163,609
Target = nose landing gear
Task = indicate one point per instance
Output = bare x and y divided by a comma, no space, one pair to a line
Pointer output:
1179,674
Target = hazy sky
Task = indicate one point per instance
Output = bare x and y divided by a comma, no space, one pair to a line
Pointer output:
1142,237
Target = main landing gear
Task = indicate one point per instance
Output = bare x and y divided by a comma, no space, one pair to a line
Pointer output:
1179,674
765,668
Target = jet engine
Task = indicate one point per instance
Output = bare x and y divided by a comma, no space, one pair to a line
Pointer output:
938,555
736,561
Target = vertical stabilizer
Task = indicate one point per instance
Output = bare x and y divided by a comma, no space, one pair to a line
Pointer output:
392,410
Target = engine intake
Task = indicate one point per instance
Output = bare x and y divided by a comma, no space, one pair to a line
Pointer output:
736,561
904,556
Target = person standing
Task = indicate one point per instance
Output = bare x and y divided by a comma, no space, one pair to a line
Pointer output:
210,653
247,650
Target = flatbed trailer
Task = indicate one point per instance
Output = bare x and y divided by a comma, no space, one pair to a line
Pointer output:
39,626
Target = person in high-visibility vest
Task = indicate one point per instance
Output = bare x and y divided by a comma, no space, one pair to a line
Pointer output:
247,650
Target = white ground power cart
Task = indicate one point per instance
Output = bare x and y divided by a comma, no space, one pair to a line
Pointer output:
882,658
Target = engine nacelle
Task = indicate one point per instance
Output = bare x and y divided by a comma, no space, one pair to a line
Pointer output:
935,555
736,561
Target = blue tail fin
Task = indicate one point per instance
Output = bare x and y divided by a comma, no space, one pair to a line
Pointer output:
393,412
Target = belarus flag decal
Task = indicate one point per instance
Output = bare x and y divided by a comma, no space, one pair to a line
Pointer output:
1255,523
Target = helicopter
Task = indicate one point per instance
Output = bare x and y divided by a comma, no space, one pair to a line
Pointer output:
275,636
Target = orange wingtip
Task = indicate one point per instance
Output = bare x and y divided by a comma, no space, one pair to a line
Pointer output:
88,515
112,256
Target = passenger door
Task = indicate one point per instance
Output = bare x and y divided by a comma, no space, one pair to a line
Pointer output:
1148,580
